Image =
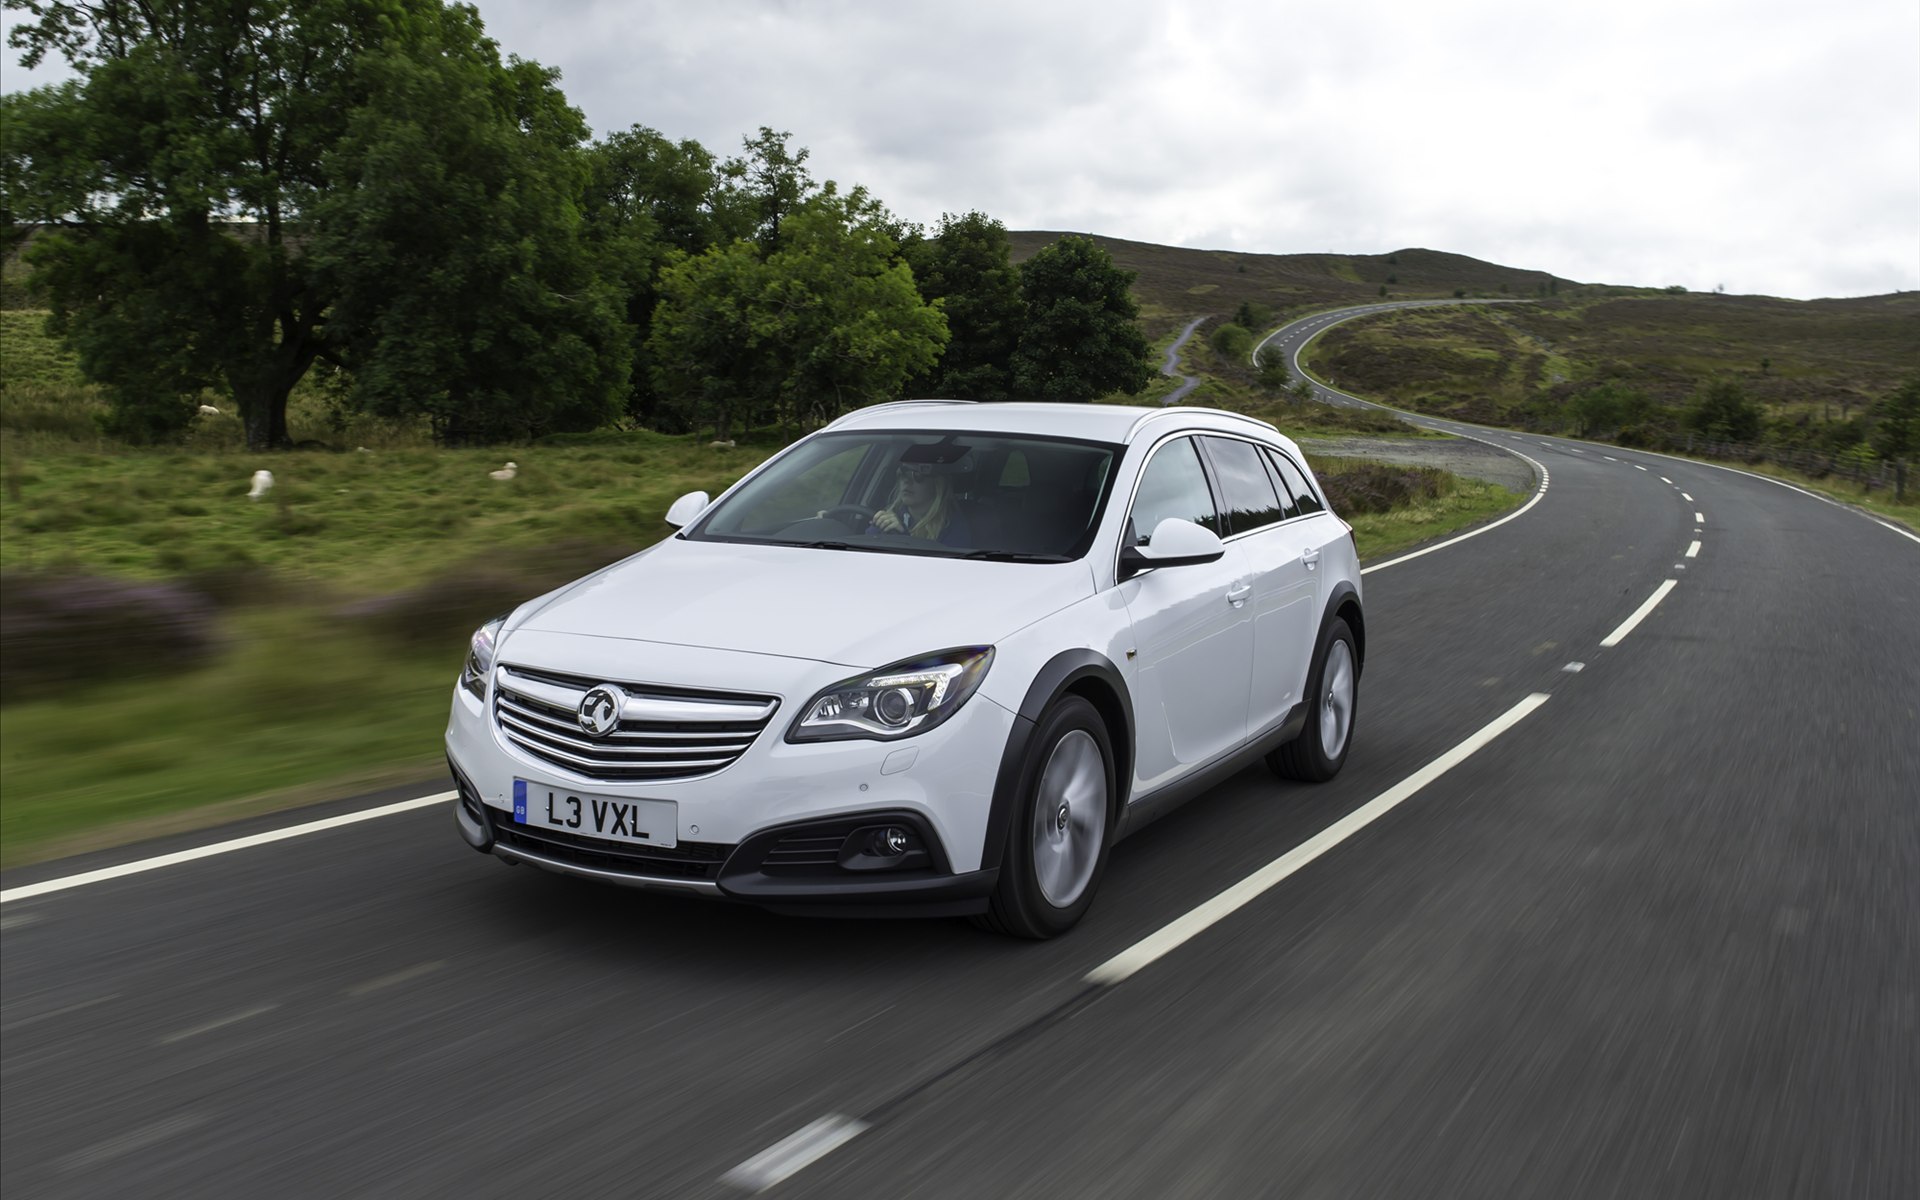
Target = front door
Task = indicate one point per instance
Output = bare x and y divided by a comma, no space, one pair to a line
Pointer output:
1192,631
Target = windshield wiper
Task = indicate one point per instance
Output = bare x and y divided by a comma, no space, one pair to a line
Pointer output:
1014,556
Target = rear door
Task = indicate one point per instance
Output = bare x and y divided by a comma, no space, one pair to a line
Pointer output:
1263,523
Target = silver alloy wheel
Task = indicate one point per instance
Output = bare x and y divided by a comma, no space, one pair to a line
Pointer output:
1069,818
1336,704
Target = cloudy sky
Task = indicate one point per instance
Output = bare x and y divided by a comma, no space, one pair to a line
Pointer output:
1765,146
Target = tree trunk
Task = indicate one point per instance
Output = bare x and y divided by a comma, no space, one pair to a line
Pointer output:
263,409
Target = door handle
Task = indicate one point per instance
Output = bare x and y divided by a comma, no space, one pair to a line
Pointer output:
1238,596
1311,558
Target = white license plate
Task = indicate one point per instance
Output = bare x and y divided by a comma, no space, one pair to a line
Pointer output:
549,806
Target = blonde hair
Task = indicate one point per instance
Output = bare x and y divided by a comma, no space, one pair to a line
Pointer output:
932,523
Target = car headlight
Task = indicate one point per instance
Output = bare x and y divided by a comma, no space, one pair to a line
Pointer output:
894,702
473,676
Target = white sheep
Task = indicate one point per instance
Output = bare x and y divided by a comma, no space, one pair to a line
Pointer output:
208,410
504,473
262,484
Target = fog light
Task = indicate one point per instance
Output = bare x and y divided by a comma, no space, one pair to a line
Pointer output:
890,842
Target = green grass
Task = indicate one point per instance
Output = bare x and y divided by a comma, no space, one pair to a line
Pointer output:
1462,503
297,701
351,522
29,357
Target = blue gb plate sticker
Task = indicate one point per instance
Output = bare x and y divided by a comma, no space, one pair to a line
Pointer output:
520,802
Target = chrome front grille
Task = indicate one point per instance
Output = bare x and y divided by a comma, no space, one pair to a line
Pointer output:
664,733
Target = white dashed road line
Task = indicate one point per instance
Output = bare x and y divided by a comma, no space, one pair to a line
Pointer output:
791,1153
222,1023
1639,614
1699,519
1693,551
1687,498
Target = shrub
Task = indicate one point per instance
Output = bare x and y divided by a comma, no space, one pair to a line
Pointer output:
1371,487
1232,342
59,631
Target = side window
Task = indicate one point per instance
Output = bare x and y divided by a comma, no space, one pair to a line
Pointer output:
1296,483
1246,493
1288,501
1173,485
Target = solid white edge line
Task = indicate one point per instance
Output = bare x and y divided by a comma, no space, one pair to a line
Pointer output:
1693,551
1184,928
793,1152
1514,515
1694,462
1639,614
30,890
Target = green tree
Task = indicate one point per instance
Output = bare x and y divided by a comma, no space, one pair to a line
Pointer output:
646,198
1079,339
1605,407
1896,431
762,188
1232,342
1252,315
1271,363
704,348
829,321
198,170
966,267
450,246
1722,410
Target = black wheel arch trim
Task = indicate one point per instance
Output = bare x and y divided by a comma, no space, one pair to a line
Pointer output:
1058,676
1342,593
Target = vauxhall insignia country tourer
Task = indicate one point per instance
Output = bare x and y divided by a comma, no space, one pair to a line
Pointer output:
936,657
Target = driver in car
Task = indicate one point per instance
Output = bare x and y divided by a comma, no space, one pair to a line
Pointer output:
923,505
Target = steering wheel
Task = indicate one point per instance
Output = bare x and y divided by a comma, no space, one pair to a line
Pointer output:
851,515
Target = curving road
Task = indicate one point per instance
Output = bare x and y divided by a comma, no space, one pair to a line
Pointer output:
1657,936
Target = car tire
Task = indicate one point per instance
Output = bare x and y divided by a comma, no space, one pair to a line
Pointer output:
1062,827
1318,752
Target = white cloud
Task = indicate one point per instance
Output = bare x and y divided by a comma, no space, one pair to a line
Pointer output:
1766,145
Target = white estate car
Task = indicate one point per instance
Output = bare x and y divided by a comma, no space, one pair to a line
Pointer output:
936,656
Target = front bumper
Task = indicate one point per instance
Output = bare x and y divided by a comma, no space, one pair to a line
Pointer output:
770,829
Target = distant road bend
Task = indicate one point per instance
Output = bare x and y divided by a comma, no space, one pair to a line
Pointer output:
1616,896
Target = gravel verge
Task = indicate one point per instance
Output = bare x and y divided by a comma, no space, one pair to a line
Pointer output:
1462,456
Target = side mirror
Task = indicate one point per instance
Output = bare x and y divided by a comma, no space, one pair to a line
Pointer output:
1175,543
686,508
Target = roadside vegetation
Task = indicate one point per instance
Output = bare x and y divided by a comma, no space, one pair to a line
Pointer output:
1826,393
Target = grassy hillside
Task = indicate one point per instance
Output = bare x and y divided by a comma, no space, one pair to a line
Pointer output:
1819,359
1174,284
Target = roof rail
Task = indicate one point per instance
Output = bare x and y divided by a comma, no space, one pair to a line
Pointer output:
890,404
1192,408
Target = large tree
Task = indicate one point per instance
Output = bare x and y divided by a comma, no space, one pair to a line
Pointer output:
648,197
829,321
450,248
966,267
187,166
1079,339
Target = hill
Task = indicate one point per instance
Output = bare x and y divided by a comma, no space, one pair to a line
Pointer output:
1175,284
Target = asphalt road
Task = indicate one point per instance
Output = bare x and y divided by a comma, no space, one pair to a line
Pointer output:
1661,937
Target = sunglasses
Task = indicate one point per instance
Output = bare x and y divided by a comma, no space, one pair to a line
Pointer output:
915,470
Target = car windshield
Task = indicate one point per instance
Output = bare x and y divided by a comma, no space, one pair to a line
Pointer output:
979,495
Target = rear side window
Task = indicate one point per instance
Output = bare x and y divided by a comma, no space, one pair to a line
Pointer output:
1296,482
1173,485
1246,493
